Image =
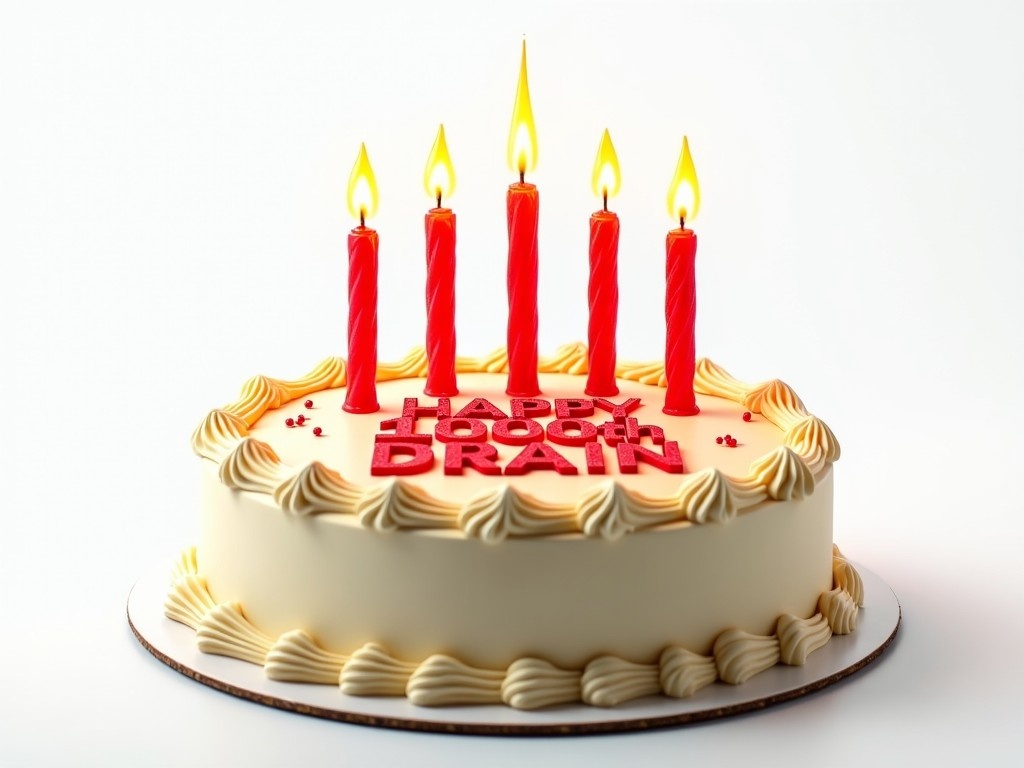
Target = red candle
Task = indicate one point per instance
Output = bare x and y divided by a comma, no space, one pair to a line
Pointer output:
440,230
523,205
361,389
681,291
604,277
523,209
439,179
680,314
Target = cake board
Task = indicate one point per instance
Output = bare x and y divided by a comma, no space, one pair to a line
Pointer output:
175,645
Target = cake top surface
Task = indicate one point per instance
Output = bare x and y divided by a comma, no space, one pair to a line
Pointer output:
651,469
347,440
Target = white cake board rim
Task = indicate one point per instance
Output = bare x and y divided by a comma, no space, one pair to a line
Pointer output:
175,645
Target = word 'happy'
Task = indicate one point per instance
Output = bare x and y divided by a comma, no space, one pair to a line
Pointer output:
400,450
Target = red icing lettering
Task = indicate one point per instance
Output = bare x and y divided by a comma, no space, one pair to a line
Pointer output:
653,431
569,408
411,409
478,456
448,431
511,431
405,432
613,433
585,432
629,431
481,408
539,456
384,455
618,411
670,461
595,458
523,408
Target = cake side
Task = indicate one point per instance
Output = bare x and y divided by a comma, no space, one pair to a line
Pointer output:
567,598
529,682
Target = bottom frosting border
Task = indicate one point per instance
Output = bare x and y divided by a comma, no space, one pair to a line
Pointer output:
528,683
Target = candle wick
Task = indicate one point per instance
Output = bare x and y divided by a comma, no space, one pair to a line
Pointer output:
522,177
438,199
605,196
362,219
682,222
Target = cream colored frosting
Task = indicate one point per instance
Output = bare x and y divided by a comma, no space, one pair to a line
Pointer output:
372,671
532,683
846,576
777,402
217,434
412,366
608,510
262,392
296,658
740,655
315,489
226,632
569,358
799,637
189,600
442,680
780,475
813,441
840,610
187,563
527,683
682,673
252,466
495,514
708,497
609,681
394,504
258,394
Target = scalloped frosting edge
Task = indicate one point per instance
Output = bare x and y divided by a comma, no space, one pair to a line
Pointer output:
607,509
528,683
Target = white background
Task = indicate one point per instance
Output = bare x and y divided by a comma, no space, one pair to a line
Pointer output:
172,221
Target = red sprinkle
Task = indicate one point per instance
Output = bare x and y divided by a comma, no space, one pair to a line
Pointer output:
317,431
300,420
289,422
308,403
746,415
728,438
732,443
719,440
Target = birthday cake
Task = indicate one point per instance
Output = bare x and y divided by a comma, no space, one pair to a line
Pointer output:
531,551
513,529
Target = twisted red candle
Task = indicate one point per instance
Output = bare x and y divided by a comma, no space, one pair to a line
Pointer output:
680,316
604,304
440,231
361,390
523,204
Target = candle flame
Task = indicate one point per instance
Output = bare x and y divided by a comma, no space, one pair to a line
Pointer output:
606,179
522,136
439,176
684,191
362,188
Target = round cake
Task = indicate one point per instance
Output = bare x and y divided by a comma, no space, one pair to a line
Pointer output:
488,549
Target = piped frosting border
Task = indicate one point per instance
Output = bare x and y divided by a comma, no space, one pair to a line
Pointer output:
527,683
606,510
